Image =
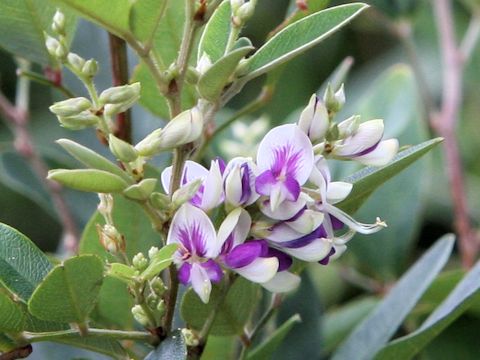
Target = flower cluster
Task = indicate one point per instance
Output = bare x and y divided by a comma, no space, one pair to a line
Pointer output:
279,207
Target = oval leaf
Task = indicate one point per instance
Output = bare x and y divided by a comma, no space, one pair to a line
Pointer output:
12,317
92,180
69,292
211,83
22,264
366,339
451,308
231,315
214,39
299,37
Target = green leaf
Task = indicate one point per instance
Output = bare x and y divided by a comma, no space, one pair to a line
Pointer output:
22,25
211,83
90,158
214,39
92,180
451,308
145,16
367,338
22,264
113,17
130,220
267,348
12,317
337,324
172,348
69,292
219,347
162,259
299,37
369,178
231,315
122,272
6,344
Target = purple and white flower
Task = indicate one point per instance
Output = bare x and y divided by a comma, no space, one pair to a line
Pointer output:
314,120
239,182
193,231
285,161
210,193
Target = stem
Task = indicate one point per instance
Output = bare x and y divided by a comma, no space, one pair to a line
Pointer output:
33,337
20,353
40,79
444,123
119,60
172,297
232,37
18,117
471,36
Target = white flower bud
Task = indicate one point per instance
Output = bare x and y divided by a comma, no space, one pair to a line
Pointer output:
334,100
90,68
245,12
140,315
158,286
204,64
235,4
348,127
55,48
70,107
314,120
80,121
58,24
153,251
186,192
111,239
140,262
122,150
120,94
76,61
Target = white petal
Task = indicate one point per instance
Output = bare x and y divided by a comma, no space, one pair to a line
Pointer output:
237,221
277,196
337,191
367,135
349,126
307,222
320,175
213,187
284,212
382,155
233,186
260,270
200,282
284,135
282,232
315,251
192,170
283,281
339,250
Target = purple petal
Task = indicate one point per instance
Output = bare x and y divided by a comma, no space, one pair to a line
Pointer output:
326,259
214,270
284,260
298,214
336,224
221,164
293,188
246,190
264,182
307,239
244,254
367,150
184,273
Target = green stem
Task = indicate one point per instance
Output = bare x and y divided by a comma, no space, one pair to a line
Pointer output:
32,337
40,79
232,37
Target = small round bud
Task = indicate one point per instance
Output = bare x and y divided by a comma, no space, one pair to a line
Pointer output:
152,252
152,300
140,315
158,286
78,122
245,12
122,150
140,262
90,68
55,48
58,24
70,107
76,61
111,239
120,94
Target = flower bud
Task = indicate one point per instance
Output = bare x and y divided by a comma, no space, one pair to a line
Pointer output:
105,205
90,68
142,190
58,24
160,308
235,4
140,315
55,48
190,337
77,122
314,119
160,201
111,239
71,107
186,192
122,150
158,286
140,262
245,12
121,94
334,100
76,61
152,251
204,64
348,127
152,300
239,182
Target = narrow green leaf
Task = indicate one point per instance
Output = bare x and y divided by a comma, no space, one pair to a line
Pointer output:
267,348
145,16
92,180
12,317
299,37
69,292
172,348
366,339
231,315
451,308
162,259
337,324
368,179
113,17
90,158
211,83
215,36
122,272
22,25
22,264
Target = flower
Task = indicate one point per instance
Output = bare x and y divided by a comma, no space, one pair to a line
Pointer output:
239,182
193,231
285,161
314,121
210,192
